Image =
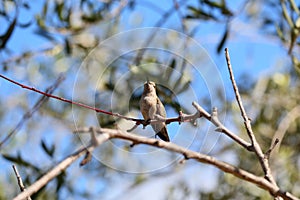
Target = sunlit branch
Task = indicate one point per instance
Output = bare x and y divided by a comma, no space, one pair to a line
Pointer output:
20,182
105,134
264,162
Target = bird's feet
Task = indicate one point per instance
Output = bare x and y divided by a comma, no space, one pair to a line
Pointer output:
146,123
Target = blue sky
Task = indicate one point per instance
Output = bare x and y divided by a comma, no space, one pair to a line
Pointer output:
250,49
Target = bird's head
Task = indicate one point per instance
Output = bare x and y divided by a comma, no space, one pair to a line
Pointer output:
149,86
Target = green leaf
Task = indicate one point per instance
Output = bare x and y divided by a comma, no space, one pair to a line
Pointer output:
45,9
6,36
297,23
60,10
267,21
20,161
40,22
219,5
280,33
48,150
68,46
184,87
60,181
26,5
11,158
24,25
170,69
296,64
45,34
223,40
199,13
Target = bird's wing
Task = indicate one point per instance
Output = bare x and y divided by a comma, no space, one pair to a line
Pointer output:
160,109
163,134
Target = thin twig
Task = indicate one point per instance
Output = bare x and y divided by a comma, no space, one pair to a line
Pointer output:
222,128
140,121
94,142
20,182
180,16
235,88
56,97
35,108
186,117
274,144
283,127
264,162
59,168
117,11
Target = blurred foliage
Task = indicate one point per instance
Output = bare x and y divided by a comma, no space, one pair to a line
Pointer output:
72,30
269,102
280,19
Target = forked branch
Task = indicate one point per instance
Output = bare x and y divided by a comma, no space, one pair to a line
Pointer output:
105,134
264,162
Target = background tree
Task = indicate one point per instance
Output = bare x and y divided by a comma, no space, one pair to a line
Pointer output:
41,41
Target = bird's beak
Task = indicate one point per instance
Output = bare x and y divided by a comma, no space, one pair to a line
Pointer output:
148,80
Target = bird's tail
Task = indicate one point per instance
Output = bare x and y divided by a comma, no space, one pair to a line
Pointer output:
163,134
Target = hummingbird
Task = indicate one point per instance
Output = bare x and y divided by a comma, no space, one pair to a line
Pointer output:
150,106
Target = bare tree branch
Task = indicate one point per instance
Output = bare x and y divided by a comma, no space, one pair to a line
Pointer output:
106,134
20,182
221,127
117,11
60,167
264,162
283,127
270,150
